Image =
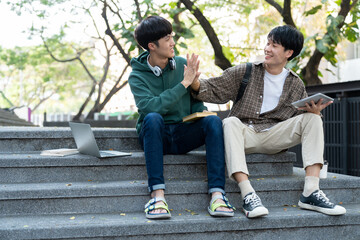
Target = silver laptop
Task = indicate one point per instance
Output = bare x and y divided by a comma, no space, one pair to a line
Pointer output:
86,144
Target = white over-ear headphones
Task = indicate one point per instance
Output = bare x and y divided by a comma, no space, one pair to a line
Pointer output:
157,70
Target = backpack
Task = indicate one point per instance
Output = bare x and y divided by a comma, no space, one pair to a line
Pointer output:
244,82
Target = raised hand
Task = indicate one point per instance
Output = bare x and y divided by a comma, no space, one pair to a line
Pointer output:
191,70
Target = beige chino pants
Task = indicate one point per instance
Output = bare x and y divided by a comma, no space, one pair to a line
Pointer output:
240,139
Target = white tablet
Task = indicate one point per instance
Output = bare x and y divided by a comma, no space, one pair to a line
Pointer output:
315,98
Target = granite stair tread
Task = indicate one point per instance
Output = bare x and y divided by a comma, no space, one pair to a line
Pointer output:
186,221
34,159
174,186
107,196
33,167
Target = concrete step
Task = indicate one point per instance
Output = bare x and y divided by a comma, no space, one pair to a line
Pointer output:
20,139
281,223
10,119
131,195
14,122
31,167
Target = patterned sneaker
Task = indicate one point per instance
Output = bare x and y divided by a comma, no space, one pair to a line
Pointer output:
253,207
318,201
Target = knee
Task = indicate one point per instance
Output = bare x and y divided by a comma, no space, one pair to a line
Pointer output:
231,122
213,120
312,119
213,123
153,120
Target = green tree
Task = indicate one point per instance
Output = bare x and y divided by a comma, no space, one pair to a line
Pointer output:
111,23
110,35
340,24
31,77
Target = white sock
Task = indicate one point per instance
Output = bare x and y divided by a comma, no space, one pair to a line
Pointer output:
245,188
311,185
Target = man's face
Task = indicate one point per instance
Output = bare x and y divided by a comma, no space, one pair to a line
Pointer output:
275,53
165,46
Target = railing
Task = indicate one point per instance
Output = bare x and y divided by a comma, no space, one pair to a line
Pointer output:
100,120
342,137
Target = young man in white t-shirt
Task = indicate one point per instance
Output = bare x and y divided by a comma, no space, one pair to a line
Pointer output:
264,121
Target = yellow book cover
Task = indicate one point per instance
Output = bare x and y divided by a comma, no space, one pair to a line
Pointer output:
197,115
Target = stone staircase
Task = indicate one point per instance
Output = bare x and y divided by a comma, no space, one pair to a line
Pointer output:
10,119
82,197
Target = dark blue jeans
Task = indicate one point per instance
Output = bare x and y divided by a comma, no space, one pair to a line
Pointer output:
158,138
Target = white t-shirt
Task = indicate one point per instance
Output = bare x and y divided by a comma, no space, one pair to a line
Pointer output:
273,87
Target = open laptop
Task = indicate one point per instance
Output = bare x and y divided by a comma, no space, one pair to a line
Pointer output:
86,144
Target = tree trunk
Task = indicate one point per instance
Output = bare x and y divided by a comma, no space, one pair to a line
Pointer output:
310,71
78,115
220,59
100,106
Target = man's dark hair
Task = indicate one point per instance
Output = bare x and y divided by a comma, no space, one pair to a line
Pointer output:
289,37
152,29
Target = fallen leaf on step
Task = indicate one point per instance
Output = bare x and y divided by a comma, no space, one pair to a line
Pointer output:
194,213
122,214
285,209
89,180
179,214
69,184
334,176
285,205
72,218
149,221
26,226
293,205
340,203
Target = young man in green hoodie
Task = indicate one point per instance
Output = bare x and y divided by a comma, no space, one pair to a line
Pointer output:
160,84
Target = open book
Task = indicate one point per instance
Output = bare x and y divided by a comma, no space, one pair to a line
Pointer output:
59,152
197,115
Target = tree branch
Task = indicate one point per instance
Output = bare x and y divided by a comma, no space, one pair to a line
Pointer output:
284,12
138,10
115,89
43,100
115,40
78,115
287,14
220,59
310,71
275,5
78,57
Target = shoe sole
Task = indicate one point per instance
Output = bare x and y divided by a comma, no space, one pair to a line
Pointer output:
158,216
220,213
327,211
257,212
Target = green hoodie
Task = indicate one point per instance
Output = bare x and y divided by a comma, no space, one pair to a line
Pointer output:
164,94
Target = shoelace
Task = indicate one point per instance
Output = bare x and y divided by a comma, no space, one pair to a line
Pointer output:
320,195
253,199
